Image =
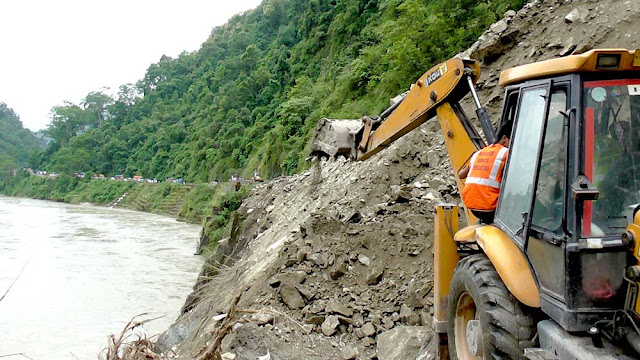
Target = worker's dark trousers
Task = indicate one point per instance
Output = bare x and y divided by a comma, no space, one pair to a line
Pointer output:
485,217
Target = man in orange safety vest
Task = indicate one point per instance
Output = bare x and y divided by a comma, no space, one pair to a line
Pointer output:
483,178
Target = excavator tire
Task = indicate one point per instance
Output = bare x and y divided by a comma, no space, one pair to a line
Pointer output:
501,327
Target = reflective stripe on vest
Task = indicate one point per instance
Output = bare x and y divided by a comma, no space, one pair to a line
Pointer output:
480,181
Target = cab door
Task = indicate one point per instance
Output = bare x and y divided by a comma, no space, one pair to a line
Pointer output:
517,192
533,191
547,239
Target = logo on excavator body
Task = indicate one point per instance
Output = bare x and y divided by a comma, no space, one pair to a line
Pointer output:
436,74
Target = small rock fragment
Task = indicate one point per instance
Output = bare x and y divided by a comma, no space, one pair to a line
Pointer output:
405,313
352,231
338,270
574,15
274,281
414,299
425,318
219,317
402,196
262,318
330,324
368,341
290,262
305,292
403,342
315,319
291,297
298,277
333,307
346,321
319,259
374,276
499,27
569,47
331,260
364,260
301,255
358,319
368,329
350,353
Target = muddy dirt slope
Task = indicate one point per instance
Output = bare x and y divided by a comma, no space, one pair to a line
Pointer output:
336,262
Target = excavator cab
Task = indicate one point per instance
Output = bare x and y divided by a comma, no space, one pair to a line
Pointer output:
556,275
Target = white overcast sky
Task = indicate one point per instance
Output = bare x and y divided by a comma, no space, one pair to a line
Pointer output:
57,50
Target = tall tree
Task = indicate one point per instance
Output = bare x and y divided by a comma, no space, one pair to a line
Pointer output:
97,103
16,142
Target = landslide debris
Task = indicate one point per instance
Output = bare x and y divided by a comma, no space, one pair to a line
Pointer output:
330,266
336,262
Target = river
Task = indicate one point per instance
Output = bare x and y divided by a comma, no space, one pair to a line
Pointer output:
83,272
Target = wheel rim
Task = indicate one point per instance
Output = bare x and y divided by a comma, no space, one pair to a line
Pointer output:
465,312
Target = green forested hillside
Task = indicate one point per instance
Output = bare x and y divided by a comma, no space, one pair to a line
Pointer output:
249,98
16,142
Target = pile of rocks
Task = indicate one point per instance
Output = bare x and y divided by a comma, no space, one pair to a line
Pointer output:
354,289
357,260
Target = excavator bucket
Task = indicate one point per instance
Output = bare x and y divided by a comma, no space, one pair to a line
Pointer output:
333,138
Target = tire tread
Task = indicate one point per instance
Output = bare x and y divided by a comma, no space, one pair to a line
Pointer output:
511,325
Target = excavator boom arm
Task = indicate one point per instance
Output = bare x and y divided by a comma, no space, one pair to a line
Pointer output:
444,82
437,92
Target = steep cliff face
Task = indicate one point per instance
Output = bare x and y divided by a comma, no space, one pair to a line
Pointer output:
336,262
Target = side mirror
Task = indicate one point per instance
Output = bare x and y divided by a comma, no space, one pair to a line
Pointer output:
582,189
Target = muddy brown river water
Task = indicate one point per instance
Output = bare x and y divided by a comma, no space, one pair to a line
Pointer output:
83,272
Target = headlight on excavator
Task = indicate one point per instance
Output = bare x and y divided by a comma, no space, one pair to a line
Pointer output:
608,61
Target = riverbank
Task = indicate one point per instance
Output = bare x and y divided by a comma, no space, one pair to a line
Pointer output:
209,205
185,203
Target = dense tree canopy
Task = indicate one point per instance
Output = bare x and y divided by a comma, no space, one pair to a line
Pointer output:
16,142
249,98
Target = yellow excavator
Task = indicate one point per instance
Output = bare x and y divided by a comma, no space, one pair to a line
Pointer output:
556,275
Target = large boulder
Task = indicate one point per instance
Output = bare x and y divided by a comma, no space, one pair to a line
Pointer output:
402,342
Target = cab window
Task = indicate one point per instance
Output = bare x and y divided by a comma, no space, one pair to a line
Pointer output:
549,200
611,154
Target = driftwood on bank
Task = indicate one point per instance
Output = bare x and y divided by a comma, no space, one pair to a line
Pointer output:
119,348
213,351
